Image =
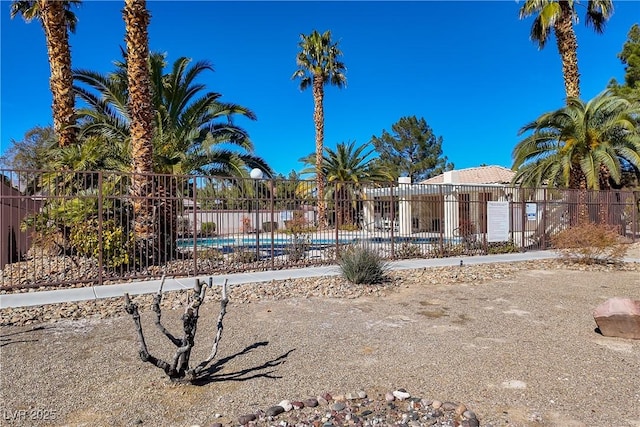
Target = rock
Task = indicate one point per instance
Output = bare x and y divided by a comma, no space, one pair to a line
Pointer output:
245,419
274,411
401,394
322,401
436,404
619,317
299,405
327,397
460,409
389,397
362,394
471,422
310,403
449,406
469,414
286,405
338,406
351,396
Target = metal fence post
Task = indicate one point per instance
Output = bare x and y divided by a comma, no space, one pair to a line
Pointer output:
335,218
523,217
273,223
100,231
543,244
195,226
393,220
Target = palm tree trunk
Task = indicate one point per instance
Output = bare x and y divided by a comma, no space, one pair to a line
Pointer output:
318,119
136,19
61,79
604,187
577,180
568,48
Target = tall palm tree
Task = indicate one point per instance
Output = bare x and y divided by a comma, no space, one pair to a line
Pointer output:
346,169
319,64
136,18
560,15
57,19
581,146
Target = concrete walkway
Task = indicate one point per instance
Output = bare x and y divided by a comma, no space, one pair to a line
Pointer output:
27,299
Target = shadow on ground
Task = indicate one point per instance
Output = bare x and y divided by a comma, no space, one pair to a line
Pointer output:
211,374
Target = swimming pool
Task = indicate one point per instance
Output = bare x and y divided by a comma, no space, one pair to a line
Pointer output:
266,241
220,242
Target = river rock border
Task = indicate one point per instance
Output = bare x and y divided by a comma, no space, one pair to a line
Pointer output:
397,407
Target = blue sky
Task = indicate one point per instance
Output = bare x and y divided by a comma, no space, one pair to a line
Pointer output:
468,68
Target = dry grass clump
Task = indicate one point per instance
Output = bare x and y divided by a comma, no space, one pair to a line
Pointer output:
590,243
361,265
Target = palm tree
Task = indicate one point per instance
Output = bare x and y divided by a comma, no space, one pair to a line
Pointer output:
136,18
319,64
346,169
580,146
57,20
560,16
191,128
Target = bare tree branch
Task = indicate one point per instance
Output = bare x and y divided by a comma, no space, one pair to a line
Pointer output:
179,368
132,309
157,299
214,348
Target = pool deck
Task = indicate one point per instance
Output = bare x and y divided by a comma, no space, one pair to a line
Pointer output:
28,299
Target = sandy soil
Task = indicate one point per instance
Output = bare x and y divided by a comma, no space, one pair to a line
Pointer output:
521,351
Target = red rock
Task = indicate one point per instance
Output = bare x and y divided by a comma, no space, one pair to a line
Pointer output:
619,317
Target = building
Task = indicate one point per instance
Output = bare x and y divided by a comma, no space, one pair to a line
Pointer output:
14,207
441,204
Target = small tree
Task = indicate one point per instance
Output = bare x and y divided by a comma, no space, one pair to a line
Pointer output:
630,57
411,150
179,369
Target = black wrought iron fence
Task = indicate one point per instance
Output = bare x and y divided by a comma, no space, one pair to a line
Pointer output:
61,228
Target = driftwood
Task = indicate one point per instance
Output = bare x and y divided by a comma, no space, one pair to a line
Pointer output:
179,369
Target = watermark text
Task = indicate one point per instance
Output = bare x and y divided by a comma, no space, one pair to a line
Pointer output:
31,414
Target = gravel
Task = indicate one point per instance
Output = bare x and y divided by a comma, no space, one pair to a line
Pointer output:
513,343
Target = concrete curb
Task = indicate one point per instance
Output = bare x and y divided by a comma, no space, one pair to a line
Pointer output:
28,299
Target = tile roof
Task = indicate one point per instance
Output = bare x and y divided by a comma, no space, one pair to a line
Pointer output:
477,175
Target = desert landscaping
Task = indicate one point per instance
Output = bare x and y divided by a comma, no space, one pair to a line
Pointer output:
514,343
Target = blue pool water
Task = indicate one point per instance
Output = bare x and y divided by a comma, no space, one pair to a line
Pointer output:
218,242
250,241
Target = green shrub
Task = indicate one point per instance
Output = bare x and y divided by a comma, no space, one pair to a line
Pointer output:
269,226
211,254
348,227
408,250
208,228
362,265
494,248
590,243
298,247
184,226
449,250
245,256
116,244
